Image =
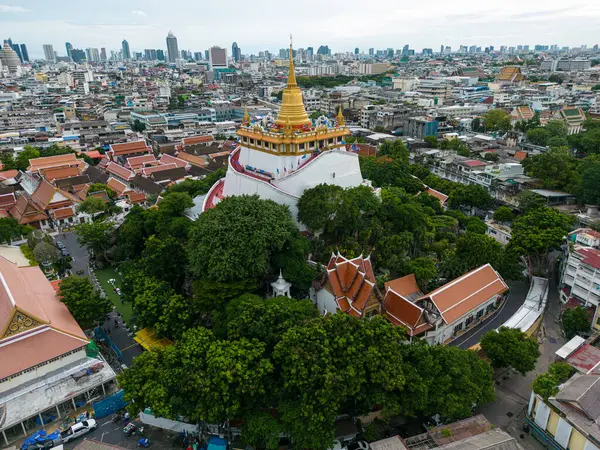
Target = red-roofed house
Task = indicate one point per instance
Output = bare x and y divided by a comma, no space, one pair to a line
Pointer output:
42,350
127,149
119,171
443,314
349,286
195,140
581,277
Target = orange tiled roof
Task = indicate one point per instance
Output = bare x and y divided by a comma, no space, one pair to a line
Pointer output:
437,194
168,159
119,171
193,159
456,298
197,140
58,173
63,213
352,282
520,155
127,148
137,162
67,159
116,185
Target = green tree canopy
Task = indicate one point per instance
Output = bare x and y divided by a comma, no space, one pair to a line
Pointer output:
84,303
236,239
503,214
556,169
509,347
539,231
92,205
11,229
165,259
575,321
46,253
95,235
546,384
497,120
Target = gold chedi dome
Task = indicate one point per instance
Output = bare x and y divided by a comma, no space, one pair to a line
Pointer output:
292,111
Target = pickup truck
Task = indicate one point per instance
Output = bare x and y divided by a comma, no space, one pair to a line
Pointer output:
78,429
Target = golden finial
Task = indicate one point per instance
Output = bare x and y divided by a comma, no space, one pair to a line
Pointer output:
292,75
246,118
340,117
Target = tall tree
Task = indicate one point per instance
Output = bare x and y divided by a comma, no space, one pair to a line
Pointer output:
236,239
539,231
575,321
92,205
510,347
84,303
497,120
95,235
165,259
556,169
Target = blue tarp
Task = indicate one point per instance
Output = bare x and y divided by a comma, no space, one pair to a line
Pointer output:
216,443
109,405
40,437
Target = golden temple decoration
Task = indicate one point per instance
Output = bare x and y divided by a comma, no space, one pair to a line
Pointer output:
20,322
340,118
246,118
292,105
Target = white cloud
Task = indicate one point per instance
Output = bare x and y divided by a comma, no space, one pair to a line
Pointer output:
12,9
138,12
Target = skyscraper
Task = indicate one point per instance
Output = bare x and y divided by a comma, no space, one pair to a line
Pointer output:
69,48
236,53
49,53
103,54
24,53
17,50
218,57
371,51
206,57
160,55
356,50
126,51
172,48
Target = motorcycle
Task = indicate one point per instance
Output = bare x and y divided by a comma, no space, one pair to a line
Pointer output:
129,429
116,417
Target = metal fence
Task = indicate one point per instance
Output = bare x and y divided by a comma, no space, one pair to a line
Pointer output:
100,334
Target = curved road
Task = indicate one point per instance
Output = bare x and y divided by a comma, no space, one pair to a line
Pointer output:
516,297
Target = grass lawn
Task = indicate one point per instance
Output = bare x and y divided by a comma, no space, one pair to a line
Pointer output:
103,276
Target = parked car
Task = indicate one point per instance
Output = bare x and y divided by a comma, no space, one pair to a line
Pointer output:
65,252
118,291
78,429
60,245
79,272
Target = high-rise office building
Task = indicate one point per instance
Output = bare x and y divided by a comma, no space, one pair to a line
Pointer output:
198,56
150,54
324,50
24,53
309,53
160,55
17,50
206,57
218,57
405,50
236,53
126,52
49,53
172,48
9,42
69,48
356,50
371,51
77,55
103,54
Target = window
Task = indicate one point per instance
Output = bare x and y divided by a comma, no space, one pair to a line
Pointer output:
480,313
469,320
458,327
598,321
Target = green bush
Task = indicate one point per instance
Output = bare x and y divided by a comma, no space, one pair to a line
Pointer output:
370,433
28,253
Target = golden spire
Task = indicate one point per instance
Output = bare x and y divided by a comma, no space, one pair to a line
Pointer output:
292,109
246,118
340,117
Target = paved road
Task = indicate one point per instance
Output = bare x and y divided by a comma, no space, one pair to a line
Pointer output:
112,433
118,334
516,297
78,253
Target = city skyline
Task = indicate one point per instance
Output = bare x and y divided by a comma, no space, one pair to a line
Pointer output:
341,25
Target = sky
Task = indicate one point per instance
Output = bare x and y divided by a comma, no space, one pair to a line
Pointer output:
266,24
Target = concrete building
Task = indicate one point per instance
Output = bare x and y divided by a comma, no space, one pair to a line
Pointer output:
420,127
49,54
9,58
372,69
46,371
581,276
125,51
569,419
172,48
218,57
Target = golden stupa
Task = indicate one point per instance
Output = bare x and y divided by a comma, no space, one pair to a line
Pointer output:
292,109
292,132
